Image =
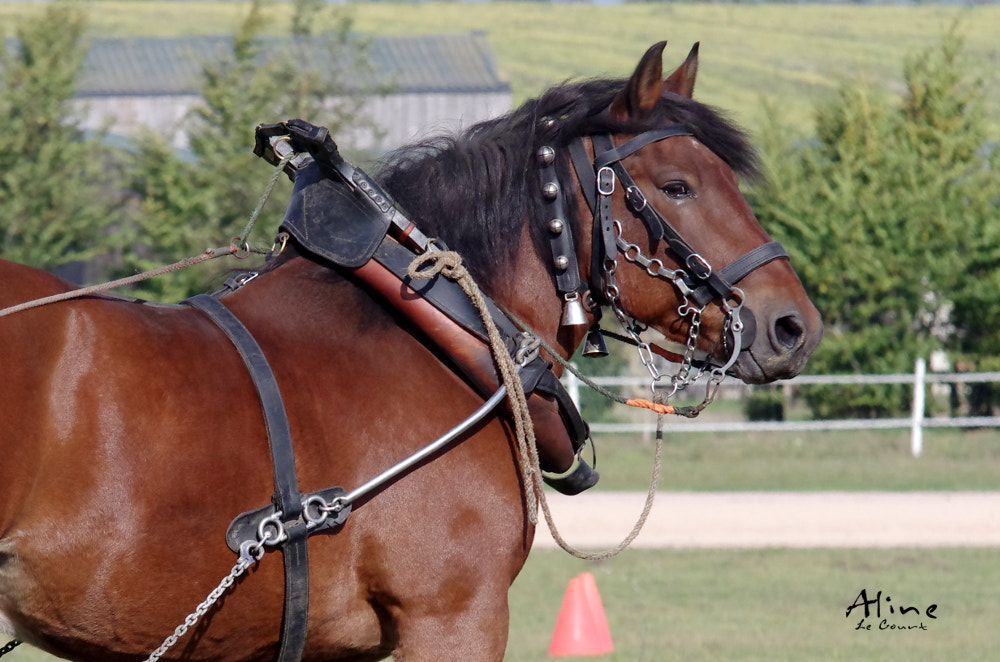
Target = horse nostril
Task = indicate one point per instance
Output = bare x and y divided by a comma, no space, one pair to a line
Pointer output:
789,332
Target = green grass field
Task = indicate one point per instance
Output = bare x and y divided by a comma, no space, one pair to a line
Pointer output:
857,460
789,54
778,605
748,605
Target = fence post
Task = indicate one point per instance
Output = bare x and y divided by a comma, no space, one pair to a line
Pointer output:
572,386
917,421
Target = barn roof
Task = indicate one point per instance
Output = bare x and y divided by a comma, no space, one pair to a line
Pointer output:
147,66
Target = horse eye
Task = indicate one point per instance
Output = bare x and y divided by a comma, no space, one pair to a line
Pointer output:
678,189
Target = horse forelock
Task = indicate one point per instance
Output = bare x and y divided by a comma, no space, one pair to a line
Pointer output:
476,189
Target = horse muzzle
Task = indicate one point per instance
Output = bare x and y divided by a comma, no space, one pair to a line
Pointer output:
779,346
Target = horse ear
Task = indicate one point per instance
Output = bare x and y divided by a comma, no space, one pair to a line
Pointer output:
642,92
682,81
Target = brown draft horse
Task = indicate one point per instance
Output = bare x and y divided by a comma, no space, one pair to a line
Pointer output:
131,435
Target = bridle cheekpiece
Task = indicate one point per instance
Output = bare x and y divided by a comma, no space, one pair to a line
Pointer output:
697,281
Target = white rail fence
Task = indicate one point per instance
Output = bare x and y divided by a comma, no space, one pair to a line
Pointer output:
916,422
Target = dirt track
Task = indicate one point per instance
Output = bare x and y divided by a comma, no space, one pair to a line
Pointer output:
778,519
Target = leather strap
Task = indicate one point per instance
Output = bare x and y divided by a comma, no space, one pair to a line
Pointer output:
448,297
616,154
704,282
287,497
734,272
584,172
560,231
603,246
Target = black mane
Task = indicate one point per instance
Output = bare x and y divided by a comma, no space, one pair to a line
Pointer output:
474,190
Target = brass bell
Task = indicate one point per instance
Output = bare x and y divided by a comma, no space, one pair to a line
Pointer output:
594,346
574,313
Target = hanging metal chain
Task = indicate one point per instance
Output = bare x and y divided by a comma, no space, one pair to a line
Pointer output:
202,609
613,295
683,378
9,646
270,533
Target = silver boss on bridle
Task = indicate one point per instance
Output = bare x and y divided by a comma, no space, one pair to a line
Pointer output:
697,281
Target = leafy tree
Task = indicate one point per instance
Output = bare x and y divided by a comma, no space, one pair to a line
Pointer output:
187,206
57,201
887,217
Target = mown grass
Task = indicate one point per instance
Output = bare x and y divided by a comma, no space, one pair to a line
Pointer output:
779,604
855,460
748,605
790,55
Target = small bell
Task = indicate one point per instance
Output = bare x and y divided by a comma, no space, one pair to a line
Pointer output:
594,346
573,312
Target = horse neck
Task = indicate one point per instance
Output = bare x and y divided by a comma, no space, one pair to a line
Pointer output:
300,283
529,293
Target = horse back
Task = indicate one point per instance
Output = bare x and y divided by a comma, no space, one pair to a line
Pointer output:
22,283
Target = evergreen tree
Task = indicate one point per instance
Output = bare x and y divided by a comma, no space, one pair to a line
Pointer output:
57,200
187,206
887,216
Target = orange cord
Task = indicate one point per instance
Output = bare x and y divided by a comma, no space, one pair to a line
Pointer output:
658,407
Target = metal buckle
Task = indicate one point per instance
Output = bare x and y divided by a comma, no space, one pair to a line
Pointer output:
605,181
636,199
699,266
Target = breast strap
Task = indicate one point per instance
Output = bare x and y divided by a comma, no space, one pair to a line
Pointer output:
287,498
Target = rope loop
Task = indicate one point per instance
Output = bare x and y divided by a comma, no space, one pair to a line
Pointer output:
449,264
434,262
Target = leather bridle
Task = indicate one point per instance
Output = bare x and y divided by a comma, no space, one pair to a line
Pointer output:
698,282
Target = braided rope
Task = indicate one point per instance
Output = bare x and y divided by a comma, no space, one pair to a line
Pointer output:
121,282
238,246
449,265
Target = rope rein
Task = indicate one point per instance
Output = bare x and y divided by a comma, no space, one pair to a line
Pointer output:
238,246
449,265
656,405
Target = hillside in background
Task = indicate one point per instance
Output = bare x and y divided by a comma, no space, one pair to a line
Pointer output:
790,55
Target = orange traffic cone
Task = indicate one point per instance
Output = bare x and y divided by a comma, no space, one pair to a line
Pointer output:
582,628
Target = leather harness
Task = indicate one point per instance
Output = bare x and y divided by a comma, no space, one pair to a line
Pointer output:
373,240
597,180
358,242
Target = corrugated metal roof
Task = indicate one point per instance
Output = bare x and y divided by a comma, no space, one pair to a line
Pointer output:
145,66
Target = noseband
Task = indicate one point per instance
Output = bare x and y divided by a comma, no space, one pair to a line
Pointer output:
698,282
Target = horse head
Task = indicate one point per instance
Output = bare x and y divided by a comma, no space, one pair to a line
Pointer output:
674,246
631,191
